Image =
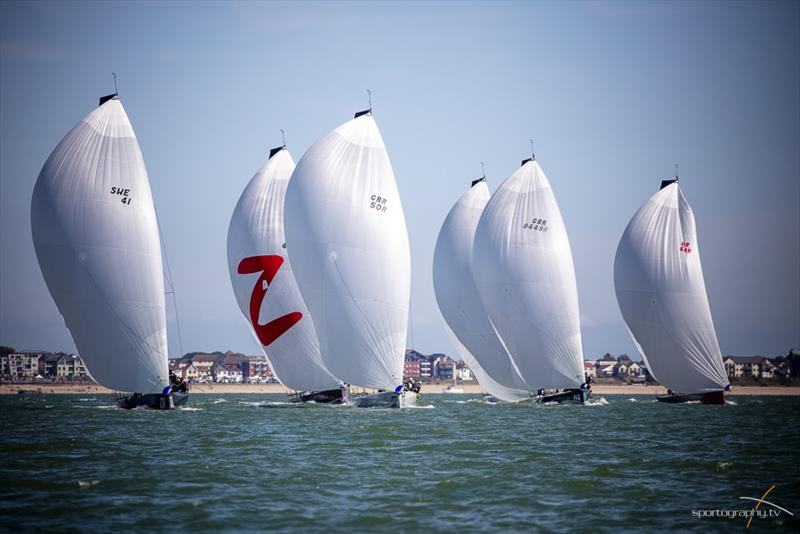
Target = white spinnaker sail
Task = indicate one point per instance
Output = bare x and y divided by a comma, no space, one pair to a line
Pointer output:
96,238
264,284
461,305
483,378
662,295
522,264
347,240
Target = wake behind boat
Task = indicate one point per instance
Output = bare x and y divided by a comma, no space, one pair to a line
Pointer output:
97,242
661,293
347,240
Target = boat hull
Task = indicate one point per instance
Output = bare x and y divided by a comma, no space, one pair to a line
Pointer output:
154,401
577,396
329,396
387,399
711,397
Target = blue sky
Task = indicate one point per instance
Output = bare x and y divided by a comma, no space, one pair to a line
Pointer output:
613,94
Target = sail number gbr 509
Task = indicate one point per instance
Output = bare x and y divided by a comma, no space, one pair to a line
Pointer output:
124,193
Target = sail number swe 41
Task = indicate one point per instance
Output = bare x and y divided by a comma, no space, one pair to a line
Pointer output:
124,193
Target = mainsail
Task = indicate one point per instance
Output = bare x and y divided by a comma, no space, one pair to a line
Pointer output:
96,238
522,264
461,305
662,295
347,240
264,284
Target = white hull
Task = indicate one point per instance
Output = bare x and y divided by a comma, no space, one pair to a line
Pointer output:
387,399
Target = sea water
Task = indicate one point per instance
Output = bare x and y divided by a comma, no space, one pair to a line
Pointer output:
454,463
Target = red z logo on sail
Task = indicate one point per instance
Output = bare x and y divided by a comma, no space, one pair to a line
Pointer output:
686,247
268,267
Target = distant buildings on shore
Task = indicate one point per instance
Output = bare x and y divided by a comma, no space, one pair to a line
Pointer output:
235,368
33,365
742,370
435,367
222,367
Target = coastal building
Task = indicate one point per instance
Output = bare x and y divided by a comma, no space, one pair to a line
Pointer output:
411,368
425,369
190,373
70,366
463,372
443,368
256,370
17,366
743,366
226,374
234,373
48,364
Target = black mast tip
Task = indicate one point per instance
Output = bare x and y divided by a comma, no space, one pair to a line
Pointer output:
366,111
104,99
277,149
533,156
482,178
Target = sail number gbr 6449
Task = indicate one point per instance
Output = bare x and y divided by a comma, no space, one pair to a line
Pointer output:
124,193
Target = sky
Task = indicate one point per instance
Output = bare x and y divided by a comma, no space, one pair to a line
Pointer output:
613,94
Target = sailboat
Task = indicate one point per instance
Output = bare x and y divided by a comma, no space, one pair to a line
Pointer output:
97,241
662,296
522,264
348,244
265,288
466,319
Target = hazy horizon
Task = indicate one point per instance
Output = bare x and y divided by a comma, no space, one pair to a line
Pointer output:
613,93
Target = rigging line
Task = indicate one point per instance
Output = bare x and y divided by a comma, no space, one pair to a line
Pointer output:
410,325
171,284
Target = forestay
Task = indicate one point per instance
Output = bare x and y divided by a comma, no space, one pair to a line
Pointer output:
96,239
524,273
461,305
263,282
347,241
662,295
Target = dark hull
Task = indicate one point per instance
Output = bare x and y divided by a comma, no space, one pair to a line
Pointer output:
154,401
329,396
712,397
578,396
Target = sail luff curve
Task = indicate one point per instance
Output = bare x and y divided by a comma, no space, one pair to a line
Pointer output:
96,239
347,240
460,303
276,314
523,269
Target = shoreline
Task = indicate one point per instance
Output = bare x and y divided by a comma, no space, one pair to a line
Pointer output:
427,389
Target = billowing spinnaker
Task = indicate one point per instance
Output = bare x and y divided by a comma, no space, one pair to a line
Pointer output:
96,239
347,240
662,295
483,378
522,264
264,284
461,305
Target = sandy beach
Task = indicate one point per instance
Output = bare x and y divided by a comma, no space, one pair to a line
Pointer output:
427,389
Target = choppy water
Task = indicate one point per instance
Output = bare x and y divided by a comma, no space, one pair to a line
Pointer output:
252,462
